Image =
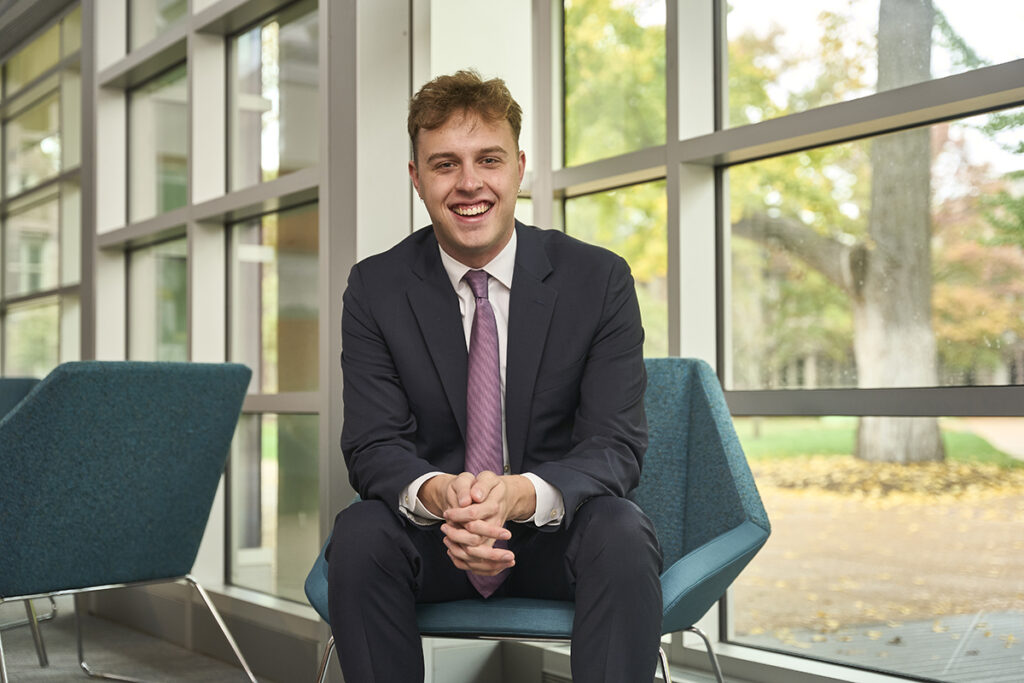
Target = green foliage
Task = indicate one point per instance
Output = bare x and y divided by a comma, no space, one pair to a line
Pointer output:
614,80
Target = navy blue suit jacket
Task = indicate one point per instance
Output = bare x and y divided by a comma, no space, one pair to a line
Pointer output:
575,375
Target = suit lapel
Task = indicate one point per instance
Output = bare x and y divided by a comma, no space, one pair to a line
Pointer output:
436,308
531,306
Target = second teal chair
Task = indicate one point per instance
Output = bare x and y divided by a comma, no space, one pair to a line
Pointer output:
697,489
109,472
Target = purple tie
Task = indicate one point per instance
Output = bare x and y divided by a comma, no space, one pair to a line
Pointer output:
483,403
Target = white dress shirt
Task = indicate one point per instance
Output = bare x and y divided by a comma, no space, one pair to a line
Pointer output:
550,508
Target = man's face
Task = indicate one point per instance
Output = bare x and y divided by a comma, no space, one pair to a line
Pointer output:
468,173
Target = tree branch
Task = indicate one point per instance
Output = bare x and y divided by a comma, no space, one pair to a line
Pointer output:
843,265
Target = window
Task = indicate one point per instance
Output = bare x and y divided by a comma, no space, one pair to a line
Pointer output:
614,77
40,200
274,472
631,221
158,145
274,97
842,276
815,55
157,298
149,18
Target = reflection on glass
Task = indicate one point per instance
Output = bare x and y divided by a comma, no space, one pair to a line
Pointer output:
832,50
149,18
70,234
274,111
614,77
632,222
892,262
72,31
33,145
913,568
274,311
31,247
71,119
456,42
30,338
32,60
274,483
158,309
158,145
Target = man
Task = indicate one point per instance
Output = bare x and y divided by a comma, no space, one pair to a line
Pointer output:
494,424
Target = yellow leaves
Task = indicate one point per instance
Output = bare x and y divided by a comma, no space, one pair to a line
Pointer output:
885,485
939,627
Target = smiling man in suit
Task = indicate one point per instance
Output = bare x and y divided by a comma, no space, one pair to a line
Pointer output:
494,421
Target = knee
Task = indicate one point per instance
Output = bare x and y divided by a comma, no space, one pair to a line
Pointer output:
620,537
366,536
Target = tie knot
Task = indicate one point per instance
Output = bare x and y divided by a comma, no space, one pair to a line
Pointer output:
477,280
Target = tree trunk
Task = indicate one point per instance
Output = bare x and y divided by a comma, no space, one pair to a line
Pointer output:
893,339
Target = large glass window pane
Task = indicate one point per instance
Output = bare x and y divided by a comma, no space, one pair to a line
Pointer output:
274,94
782,61
632,222
32,139
31,338
274,528
915,569
614,77
31,246
274,300
149,18
158,302
456,42
890,262
158,145
32,60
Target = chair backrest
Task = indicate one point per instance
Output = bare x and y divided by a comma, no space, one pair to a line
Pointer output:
109,470
696,483
12,390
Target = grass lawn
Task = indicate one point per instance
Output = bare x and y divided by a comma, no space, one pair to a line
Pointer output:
784,437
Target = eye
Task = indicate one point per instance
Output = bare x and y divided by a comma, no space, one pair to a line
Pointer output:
490,161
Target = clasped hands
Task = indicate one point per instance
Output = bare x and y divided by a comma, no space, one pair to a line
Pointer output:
475,509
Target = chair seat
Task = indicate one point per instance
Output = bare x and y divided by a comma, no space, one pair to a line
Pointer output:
522,618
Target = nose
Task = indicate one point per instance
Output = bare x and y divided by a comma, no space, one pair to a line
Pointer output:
469,180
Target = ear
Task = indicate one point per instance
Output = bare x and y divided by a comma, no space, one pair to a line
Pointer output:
415,177
522,165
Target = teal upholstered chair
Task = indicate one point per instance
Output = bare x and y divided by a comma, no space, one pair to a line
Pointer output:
696,488
12,391
109,472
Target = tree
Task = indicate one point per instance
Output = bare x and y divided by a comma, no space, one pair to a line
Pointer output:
886,273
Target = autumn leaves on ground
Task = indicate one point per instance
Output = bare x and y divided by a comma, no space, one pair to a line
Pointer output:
859,544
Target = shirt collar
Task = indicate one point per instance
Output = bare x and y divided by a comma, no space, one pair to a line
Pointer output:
500,268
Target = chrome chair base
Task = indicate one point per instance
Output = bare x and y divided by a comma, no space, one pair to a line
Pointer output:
33,620
117,677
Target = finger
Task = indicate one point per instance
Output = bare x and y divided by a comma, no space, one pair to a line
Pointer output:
459,495
461,535
485,486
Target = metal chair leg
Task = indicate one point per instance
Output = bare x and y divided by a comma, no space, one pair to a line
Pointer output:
321,675
37,635
665,673
40,618
216,617
715,669
223,627
3,663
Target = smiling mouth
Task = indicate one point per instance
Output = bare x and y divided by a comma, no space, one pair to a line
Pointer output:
472,209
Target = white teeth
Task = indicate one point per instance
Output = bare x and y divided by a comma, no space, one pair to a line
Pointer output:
471,210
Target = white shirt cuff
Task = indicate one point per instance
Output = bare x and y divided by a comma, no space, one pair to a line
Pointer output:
550,507
410,506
